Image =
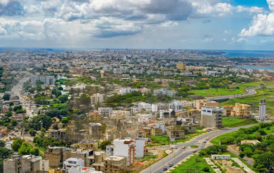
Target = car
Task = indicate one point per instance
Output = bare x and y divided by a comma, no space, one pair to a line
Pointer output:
170,165
164,169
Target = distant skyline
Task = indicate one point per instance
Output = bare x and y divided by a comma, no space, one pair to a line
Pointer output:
176,24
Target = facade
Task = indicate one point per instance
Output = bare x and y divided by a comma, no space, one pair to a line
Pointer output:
125,148
60,135
211,117
56,156
96,98
175,132
115,164
95,130
140,144
176,106
105,111
25,164
241,110
73,162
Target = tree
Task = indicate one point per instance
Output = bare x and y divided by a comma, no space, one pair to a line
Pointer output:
104,144
2,143
32,132
63,98
6,97
25,149
65,120
17,144
264,160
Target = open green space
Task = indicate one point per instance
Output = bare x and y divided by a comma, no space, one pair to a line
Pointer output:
194,164
231,90
164,139
267,94
236,122
243,134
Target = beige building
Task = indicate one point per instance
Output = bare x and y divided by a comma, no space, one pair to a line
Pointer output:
96,130
200,103
25,164
241,110
175,132
56,156
115,164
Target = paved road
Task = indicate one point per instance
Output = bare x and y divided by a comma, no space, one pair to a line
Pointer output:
180,154
250,91
17,91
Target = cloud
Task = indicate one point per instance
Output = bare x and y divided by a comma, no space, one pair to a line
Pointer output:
11,8
262,24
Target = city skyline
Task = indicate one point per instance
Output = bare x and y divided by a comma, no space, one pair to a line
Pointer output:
176,24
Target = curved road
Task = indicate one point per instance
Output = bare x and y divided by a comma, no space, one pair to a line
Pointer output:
250,91
180,154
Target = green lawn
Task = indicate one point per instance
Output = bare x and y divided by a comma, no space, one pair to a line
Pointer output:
235,89
193,164
164,139
267,94
236,122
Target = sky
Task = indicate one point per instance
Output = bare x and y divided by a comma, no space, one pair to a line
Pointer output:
160,24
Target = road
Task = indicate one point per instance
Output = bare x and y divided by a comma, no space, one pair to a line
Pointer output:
250,91
17,91
180,154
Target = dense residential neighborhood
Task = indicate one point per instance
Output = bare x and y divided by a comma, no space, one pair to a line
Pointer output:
133,111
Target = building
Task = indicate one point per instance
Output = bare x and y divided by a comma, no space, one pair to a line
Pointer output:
175,132
164,92
124,91
180,66
167,113
125,148
176,106
25,164
105,111
95,130
140,144
200,103
60,135
228,110
80,169
241,110
115,164
220,157
73,162
97,98
109,150
262,110
56,156
211,117
86,155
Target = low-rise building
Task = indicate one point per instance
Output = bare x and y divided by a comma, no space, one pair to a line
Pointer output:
175,132
115,164
241,110
221,157
73,162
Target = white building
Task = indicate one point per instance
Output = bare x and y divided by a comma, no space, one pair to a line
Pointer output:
144,106
105,111
143,117
164,92
80,169
262,110
166,113
73,162
211,117
140,144
176,106
125,148
124,91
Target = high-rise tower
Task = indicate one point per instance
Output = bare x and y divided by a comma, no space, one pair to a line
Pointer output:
262,110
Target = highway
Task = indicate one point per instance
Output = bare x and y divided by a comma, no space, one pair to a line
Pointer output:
184,150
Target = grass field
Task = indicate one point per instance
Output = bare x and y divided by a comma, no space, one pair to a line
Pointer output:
235,89
267,94
236,122
193,164
164,139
